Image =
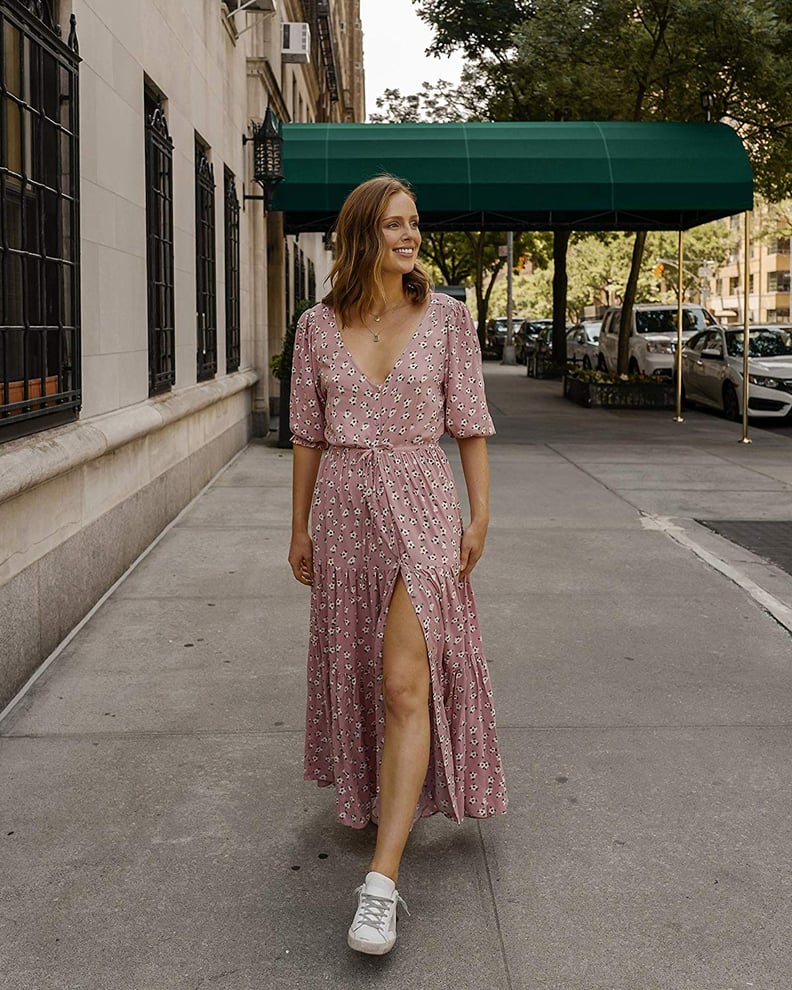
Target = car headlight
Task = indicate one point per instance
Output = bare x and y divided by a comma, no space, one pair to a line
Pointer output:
765,382
658,347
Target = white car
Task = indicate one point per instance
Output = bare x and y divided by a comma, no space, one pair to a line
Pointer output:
712,366
653,337
582,342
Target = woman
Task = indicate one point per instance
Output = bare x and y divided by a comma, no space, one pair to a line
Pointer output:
399,715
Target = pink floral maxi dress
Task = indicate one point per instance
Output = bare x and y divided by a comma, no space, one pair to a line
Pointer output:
385,503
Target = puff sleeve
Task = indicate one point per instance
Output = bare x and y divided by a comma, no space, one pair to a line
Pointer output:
466,412
307,399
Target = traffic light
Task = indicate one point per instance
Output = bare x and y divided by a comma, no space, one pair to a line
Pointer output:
658,270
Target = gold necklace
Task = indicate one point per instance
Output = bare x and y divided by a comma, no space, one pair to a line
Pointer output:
386,311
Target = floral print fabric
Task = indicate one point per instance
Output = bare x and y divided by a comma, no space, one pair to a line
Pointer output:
385,504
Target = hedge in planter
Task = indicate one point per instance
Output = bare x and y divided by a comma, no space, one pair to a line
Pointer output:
281,368
599,388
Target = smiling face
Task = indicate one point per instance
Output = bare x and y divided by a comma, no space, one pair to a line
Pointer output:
400,235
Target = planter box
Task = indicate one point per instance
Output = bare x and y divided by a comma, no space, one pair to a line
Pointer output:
620,395
16,393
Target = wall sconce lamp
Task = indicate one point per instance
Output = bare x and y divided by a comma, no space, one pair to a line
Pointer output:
267,156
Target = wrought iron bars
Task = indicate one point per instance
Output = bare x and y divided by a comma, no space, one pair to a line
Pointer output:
205,278
159,248
232,308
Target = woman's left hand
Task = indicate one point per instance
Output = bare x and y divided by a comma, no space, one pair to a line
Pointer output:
472,548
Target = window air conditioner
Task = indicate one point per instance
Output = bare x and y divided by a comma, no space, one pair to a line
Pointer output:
296,42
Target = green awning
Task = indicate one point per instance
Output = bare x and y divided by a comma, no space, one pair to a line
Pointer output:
523,175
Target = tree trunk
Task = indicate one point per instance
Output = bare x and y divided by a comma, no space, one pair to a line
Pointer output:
623,363
560,245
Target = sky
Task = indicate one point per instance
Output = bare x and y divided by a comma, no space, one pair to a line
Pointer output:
394,42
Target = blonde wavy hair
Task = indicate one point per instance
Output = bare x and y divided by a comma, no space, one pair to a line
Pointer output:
356,276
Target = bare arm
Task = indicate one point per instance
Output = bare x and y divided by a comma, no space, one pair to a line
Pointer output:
475,466
304,472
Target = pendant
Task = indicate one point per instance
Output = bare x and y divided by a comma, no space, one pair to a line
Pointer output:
376,338
377,319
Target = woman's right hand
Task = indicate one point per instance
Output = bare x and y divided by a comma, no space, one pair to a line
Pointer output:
301,557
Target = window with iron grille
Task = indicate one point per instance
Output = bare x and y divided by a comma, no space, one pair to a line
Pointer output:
232,309
778,281
299,275
311,282
205,283
287,257
159,246
39,220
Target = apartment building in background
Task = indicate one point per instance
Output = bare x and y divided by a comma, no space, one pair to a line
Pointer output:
144,288
767,269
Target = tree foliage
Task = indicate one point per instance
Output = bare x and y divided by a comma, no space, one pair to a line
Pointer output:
628,60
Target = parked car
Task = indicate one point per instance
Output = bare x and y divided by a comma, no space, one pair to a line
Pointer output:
712,370
540,359
653,336
526,337
582,343
495,337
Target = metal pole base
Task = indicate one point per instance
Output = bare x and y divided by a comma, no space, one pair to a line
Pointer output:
745,440
679,419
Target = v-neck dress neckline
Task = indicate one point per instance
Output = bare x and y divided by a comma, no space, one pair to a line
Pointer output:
399,359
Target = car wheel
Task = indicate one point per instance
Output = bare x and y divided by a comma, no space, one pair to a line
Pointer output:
731,407
587,363
601,365
687,403
633,367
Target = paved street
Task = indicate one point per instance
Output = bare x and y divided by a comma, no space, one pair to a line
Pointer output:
157,835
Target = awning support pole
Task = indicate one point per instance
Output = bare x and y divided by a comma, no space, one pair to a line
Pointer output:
746,328
679,418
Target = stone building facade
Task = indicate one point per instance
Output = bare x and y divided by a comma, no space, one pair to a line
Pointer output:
768,270
143,292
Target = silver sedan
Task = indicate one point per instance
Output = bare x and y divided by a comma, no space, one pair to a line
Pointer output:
712,370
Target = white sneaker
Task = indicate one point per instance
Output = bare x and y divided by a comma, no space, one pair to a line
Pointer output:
373,929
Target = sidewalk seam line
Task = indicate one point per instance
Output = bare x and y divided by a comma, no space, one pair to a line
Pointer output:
73,633
498,928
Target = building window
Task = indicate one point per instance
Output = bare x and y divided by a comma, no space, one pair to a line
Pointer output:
778,281
751,282
311,282
779,246
287,258
299,276
734,284
232,307
206,303
159,246
39,222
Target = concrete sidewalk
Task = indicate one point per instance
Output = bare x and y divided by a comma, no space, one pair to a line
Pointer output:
157,835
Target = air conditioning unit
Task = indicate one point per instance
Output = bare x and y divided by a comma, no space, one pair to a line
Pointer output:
295,42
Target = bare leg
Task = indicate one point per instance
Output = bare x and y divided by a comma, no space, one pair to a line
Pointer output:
405,753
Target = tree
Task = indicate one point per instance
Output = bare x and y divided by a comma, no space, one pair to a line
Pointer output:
627,60
436,102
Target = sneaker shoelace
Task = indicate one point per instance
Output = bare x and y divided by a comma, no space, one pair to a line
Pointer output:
373,910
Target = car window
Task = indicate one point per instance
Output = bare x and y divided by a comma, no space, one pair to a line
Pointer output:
697,343
665,320
761,343
712,341
592,330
